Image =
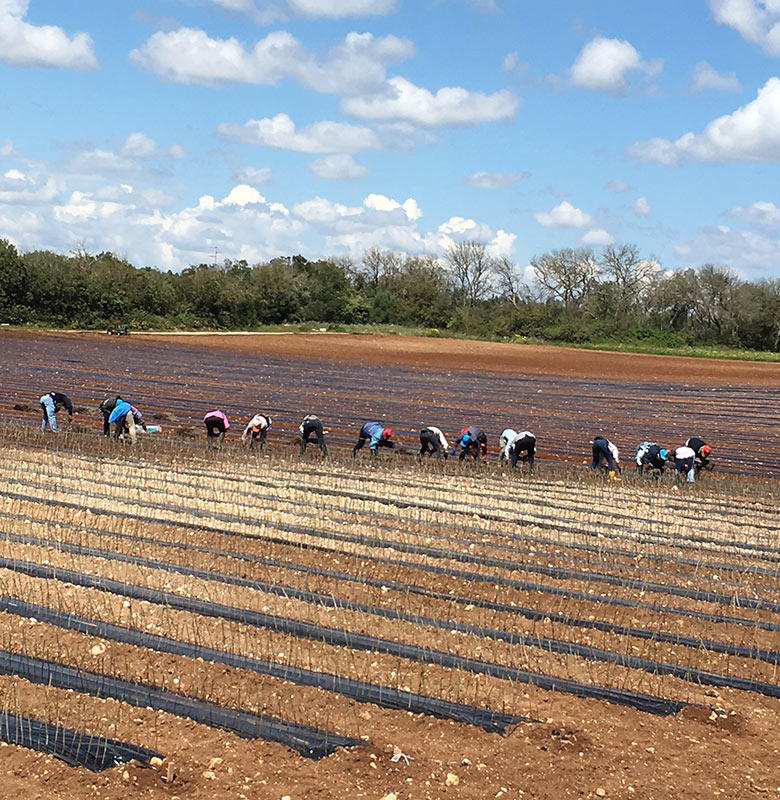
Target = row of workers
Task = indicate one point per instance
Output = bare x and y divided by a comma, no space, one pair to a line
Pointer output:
688,459
514,446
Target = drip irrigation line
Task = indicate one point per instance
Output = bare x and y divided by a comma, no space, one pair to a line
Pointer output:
361,691
468,511
568,529
763,571
309,741
545,520
587,652
536,615
352,640
495,580
560,573
75,748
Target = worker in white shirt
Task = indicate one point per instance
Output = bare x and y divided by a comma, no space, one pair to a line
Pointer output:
684,463
257,431
521,448
506,438
433,441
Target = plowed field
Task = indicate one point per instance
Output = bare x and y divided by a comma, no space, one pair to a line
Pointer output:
275,627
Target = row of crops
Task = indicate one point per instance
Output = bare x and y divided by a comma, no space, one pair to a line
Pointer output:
274,599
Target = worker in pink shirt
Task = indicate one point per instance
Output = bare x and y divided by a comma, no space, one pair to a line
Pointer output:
216,425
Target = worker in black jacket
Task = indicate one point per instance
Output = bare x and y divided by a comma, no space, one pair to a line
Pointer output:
106,406
472,442
312,427
650,457
702,451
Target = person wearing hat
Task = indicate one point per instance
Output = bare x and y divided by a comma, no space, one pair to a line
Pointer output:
312,426
376,435
432,441
105,408
257,431
605,451
702,450
472,442
650,457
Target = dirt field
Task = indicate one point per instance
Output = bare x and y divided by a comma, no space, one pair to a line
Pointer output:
621,638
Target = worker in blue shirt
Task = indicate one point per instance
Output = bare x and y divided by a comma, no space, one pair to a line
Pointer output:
376,435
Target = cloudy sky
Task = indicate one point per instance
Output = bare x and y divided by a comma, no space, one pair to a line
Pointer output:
171,131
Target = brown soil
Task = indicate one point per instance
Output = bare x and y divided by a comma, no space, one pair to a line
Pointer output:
725,746
466,354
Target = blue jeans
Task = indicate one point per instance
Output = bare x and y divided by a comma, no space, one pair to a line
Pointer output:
685,466
49,414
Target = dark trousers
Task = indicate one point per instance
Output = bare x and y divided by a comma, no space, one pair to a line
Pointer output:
215,430
429,443
655,466
257,439
313,428
525,445
106,424
471,449
601,453
363,439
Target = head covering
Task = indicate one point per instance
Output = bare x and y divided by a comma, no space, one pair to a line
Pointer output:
663,453
387,433
466,439
705,451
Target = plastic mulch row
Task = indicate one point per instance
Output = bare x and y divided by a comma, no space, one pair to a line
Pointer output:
308,741
75,748
361,691
355,641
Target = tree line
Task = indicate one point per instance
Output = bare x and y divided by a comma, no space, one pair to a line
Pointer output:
567,295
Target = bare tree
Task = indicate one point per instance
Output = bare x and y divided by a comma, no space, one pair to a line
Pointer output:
472,270
632,277
509,281
567,275
378,263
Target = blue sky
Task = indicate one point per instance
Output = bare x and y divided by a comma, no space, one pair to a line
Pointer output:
168,130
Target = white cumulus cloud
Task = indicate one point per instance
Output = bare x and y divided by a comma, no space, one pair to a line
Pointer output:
139,145
598,237
642,207
26,45
320,137
752,254
603,64
342,8
706,77
495,180
338,167
254,176
759,213
751,133
757,21
564,215
187,55
449,106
